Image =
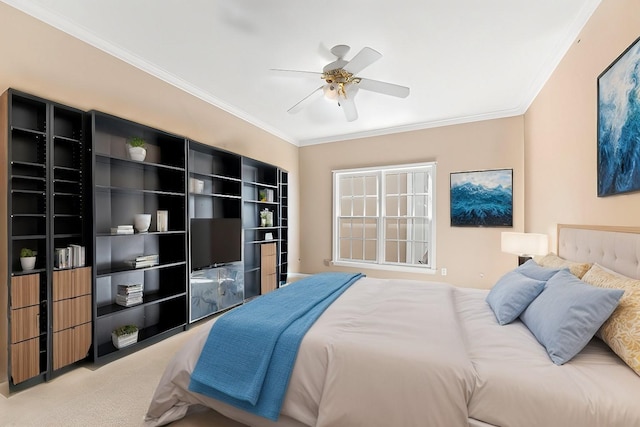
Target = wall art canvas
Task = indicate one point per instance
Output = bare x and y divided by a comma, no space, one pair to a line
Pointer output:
619,124
482,198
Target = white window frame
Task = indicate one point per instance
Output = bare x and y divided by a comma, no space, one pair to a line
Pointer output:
380,263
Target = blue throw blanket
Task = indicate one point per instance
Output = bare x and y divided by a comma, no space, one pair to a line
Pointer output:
249,355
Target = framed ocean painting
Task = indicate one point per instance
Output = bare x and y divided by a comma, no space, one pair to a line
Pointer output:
619,124
482,198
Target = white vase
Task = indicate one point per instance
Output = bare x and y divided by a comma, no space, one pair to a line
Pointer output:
137,153
28,263
142,222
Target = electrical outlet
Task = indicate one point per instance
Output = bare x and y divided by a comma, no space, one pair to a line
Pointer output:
443,271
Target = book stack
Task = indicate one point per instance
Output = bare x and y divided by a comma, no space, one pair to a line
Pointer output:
144,261
122,229
130,294
70,257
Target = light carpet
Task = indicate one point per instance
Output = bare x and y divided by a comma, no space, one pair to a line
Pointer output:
116,394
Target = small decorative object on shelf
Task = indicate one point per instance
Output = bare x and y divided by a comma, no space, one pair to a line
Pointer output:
27,259
124,336
122,229
265,195
162,221
72,256
196,185
144,261
137,150
129,294
142,222
266,218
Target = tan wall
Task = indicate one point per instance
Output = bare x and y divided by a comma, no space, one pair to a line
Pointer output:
45,62
560,130
471,255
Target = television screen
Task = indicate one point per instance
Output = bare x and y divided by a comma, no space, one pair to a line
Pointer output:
215,241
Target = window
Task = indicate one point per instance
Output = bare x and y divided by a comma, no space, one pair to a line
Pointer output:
384,217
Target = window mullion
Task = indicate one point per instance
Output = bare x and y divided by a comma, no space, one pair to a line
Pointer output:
382,233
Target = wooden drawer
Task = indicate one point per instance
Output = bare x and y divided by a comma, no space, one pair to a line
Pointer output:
71,283
71,345
71,312
25,323
25,290
25,360
268,279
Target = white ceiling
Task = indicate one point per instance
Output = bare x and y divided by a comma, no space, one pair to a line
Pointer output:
464,60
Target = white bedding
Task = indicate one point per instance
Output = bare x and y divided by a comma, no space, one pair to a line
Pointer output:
409,353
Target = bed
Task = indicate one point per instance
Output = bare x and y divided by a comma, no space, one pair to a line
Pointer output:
411,353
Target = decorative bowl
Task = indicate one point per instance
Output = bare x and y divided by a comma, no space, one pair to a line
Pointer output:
142,222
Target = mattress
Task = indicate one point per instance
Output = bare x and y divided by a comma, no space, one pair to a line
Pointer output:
412,353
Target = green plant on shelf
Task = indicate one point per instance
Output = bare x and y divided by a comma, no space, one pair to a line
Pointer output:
125,330
136,141
26,253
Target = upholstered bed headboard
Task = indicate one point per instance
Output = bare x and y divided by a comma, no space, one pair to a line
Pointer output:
617,248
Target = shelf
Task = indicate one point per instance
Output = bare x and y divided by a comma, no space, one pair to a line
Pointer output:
67,168
135,190
126,269
129,163
275,227
29,237
252,242
225,196
145,334
261,202
35,215
68,236
215,176
146,233
66,139
29,178
261,184
29,131
25,273
148,299
34,192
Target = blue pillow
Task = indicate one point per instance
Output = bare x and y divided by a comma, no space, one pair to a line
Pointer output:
533,270
511,294
566,315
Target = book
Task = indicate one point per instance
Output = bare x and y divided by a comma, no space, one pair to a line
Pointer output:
147,258
128,302
130,288
130,294
121,230
70,257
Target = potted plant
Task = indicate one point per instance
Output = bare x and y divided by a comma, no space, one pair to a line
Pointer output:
137,150
124,336
27,259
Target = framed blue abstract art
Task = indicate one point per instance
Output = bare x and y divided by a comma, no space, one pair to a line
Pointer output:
619,124
482,198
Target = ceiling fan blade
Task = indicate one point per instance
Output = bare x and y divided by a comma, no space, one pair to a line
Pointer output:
295,73
363,59
306,101
340,50
384,88
349,107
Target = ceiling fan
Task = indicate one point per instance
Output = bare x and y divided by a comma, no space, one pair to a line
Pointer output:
342,83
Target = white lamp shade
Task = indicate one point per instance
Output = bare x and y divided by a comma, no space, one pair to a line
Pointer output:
524,243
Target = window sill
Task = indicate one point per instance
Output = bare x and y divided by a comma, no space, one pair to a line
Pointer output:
399,268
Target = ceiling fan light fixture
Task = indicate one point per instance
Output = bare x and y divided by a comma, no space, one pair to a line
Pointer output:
331,91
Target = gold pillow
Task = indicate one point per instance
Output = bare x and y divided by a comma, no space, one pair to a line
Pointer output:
552,260
621,331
